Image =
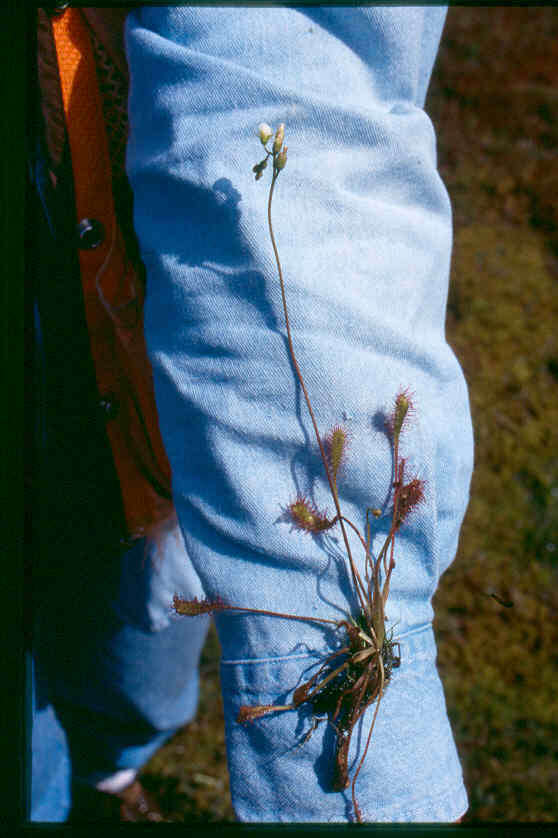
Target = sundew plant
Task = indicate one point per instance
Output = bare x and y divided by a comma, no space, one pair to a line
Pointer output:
356,674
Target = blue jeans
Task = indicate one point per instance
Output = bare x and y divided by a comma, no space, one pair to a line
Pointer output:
112,673
120,669
364,230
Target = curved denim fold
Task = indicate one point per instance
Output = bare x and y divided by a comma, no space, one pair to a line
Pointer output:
363,224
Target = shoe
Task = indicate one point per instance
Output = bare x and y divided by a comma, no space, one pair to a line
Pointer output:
134,804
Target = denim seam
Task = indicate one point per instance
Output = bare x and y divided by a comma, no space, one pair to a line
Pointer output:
413,631
280,658
419,656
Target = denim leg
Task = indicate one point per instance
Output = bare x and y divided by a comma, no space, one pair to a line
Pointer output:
363,226
49,798
122,672
112,675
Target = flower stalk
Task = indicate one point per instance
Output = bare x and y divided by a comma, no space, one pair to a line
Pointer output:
352,678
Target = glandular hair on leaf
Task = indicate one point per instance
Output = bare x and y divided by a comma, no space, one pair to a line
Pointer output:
195,607
336,445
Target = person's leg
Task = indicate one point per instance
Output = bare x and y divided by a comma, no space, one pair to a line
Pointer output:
108,657
363,227
120,670
49,796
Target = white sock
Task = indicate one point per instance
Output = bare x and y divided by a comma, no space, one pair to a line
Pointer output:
117,782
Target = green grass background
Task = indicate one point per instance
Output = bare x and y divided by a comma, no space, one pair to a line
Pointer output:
494,103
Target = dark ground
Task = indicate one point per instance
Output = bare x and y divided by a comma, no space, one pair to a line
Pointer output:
494,103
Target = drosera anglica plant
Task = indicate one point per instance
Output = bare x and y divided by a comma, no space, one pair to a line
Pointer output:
354,676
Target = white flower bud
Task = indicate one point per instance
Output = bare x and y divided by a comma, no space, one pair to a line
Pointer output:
279,137
281,160
264,132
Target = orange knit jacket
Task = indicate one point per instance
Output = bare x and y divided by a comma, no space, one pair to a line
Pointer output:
75,112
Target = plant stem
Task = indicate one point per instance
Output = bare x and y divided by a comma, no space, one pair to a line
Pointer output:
327,680
354,571
373,722
279,614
